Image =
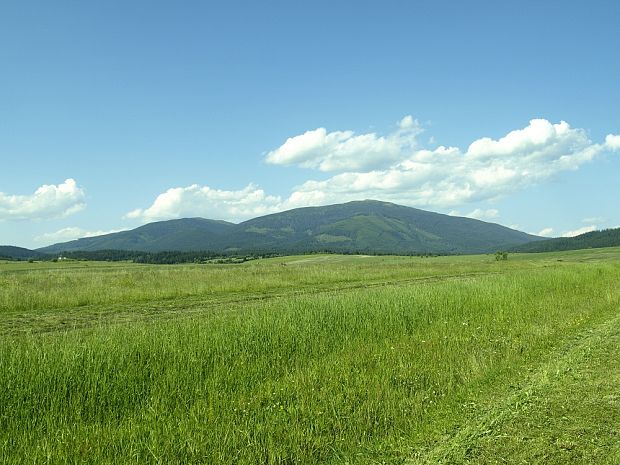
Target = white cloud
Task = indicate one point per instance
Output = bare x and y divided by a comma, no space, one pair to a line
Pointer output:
48,201
539,136
345,151
394,169
477,214
612,141
480,214
447,176
579,231
546,232
71,233
204,201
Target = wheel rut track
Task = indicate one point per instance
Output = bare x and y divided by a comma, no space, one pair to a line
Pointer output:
84,317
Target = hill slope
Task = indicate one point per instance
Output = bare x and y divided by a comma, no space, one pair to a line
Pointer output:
18,253
375,226
182,234
590,240
364,226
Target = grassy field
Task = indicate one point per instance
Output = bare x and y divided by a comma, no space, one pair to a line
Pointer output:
313,359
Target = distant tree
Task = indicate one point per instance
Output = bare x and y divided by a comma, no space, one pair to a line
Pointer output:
501,256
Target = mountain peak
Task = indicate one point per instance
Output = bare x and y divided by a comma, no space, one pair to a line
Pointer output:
357,226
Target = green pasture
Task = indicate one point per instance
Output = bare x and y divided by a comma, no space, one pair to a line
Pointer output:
315,359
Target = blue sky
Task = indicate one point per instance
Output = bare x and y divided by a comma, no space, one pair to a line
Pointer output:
114,113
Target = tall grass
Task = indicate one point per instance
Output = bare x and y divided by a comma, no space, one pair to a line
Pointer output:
358,377
44,286
71,286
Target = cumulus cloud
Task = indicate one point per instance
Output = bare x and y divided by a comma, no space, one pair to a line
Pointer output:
346,151
546,232
71,233
480,214
579,231
204,201
612,142
48,201
477,214
449,176
393,168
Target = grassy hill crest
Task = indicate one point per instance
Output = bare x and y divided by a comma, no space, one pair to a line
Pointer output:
589,240
10,252
360,226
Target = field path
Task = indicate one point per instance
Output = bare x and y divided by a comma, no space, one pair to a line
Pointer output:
53,320
580,379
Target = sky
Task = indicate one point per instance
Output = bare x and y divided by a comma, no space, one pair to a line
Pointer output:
114,114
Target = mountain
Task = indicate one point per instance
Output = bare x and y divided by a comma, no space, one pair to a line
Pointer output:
590,240
375,227
362,226
9,252
183,234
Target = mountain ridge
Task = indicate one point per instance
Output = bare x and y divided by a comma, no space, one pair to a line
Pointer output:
590,240
11,252
363,226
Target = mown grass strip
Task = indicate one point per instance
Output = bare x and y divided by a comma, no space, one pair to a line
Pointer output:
565,411
53,320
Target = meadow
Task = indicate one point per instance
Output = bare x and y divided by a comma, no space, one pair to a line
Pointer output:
317,359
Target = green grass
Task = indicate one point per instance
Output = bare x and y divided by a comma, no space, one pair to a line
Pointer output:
312,359
566,411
